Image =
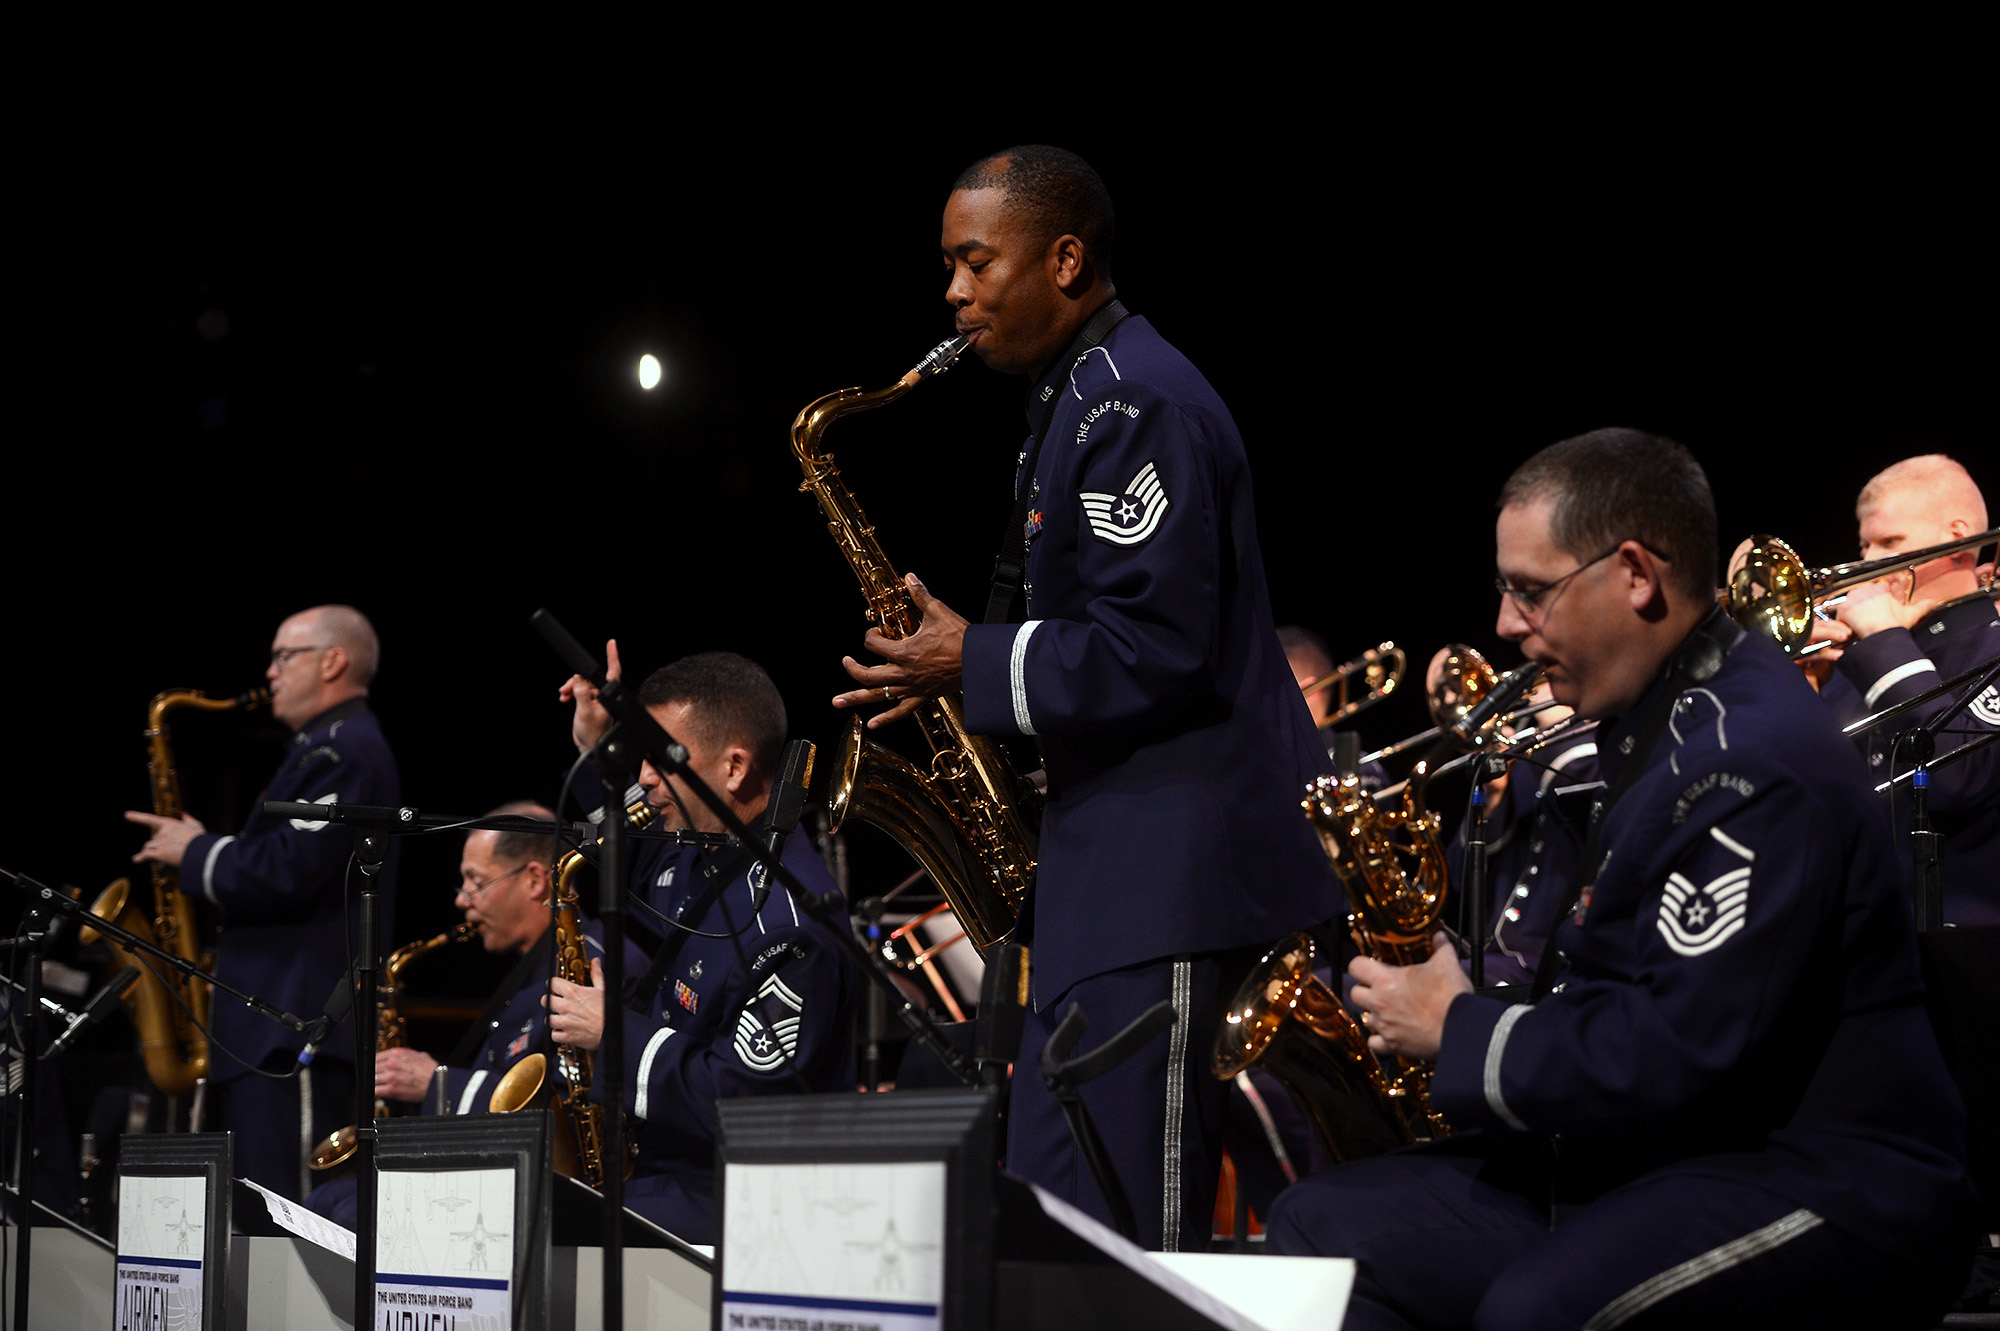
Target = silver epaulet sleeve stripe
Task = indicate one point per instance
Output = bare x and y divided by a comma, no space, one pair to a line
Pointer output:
208,867
469,1097
1494,1048
1894,677
646,1070
1017,681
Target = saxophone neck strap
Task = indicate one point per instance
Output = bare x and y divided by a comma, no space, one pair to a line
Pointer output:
1011,566
533,966
1694,662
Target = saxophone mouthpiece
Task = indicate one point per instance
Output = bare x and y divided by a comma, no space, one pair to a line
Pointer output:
938,361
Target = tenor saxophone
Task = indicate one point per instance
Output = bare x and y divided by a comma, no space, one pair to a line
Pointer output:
579,1133
169,1011
968,820
338,1147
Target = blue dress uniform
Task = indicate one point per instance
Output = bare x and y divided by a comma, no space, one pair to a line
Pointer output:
518,1029
1732,1109
1531,854
767,1009
277,887
1887,667
1177,749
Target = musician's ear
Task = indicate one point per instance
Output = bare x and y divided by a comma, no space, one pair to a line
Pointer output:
1067,259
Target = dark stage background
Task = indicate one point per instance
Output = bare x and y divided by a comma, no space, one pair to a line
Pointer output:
395,366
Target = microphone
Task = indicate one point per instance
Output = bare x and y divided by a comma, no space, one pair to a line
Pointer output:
100,1005
788,801
1507,691
337,1004
347,815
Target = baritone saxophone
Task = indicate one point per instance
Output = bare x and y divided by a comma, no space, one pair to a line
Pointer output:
968,820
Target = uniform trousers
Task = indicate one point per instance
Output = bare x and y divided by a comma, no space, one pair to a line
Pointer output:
272,1135
1460,1234
1161,1113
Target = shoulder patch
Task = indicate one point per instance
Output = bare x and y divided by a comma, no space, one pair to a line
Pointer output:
767,1033
1708,784
1695,920
1131,517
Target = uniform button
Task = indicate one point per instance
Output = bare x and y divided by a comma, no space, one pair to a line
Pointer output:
1536,848
1513,914
1534,869
1521,891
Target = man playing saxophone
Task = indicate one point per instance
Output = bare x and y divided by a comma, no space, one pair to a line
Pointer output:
276,888
745,992
1148,669
1731,1111
504,882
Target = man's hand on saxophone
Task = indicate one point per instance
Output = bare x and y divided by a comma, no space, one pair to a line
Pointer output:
1404,1007
403,1074
169,837
576,1012
928,662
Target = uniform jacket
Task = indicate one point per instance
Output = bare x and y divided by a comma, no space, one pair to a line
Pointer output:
1887,667
1742,993
728,1013
277,887
518,1029
1176,743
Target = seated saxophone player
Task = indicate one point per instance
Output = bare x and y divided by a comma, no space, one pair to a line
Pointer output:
1731,1111
504,888
1140,654
1906,633
277,889
745,993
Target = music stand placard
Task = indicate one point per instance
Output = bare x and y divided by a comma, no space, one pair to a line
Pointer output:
461,1222
869,1212
173,1230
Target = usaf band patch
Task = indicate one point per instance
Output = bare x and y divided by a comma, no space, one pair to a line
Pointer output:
768,1031
1695,920
1131,517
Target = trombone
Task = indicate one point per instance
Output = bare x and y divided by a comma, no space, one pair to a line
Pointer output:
1775,594
1379,669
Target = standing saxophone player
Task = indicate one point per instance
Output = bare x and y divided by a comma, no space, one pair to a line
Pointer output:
276,890
1148,669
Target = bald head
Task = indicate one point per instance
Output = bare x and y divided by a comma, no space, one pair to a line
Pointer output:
1919,502
1941,485
320,658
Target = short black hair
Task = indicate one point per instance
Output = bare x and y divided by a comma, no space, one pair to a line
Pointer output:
1616,485
523,847
1056,192
1296,639
732,701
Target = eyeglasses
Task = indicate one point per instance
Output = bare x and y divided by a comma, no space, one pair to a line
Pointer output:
282,656
471,890
1532,601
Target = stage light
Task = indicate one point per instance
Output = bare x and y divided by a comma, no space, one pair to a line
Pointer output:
649,371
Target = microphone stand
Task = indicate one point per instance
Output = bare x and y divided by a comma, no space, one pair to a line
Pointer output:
371,849
1926,843
33,930
669,757
1474,869
618,767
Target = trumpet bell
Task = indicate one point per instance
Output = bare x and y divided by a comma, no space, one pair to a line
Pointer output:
1771,593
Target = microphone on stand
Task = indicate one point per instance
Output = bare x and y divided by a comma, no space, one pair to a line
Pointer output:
100,1005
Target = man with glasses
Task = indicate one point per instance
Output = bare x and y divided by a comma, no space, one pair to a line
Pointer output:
277,892
505,882
1725,1106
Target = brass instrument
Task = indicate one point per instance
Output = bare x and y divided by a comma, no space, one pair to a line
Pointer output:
579,1133
1391,862
390,1029
1379,669
967,819
1285,1019
168,1010
1772,592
